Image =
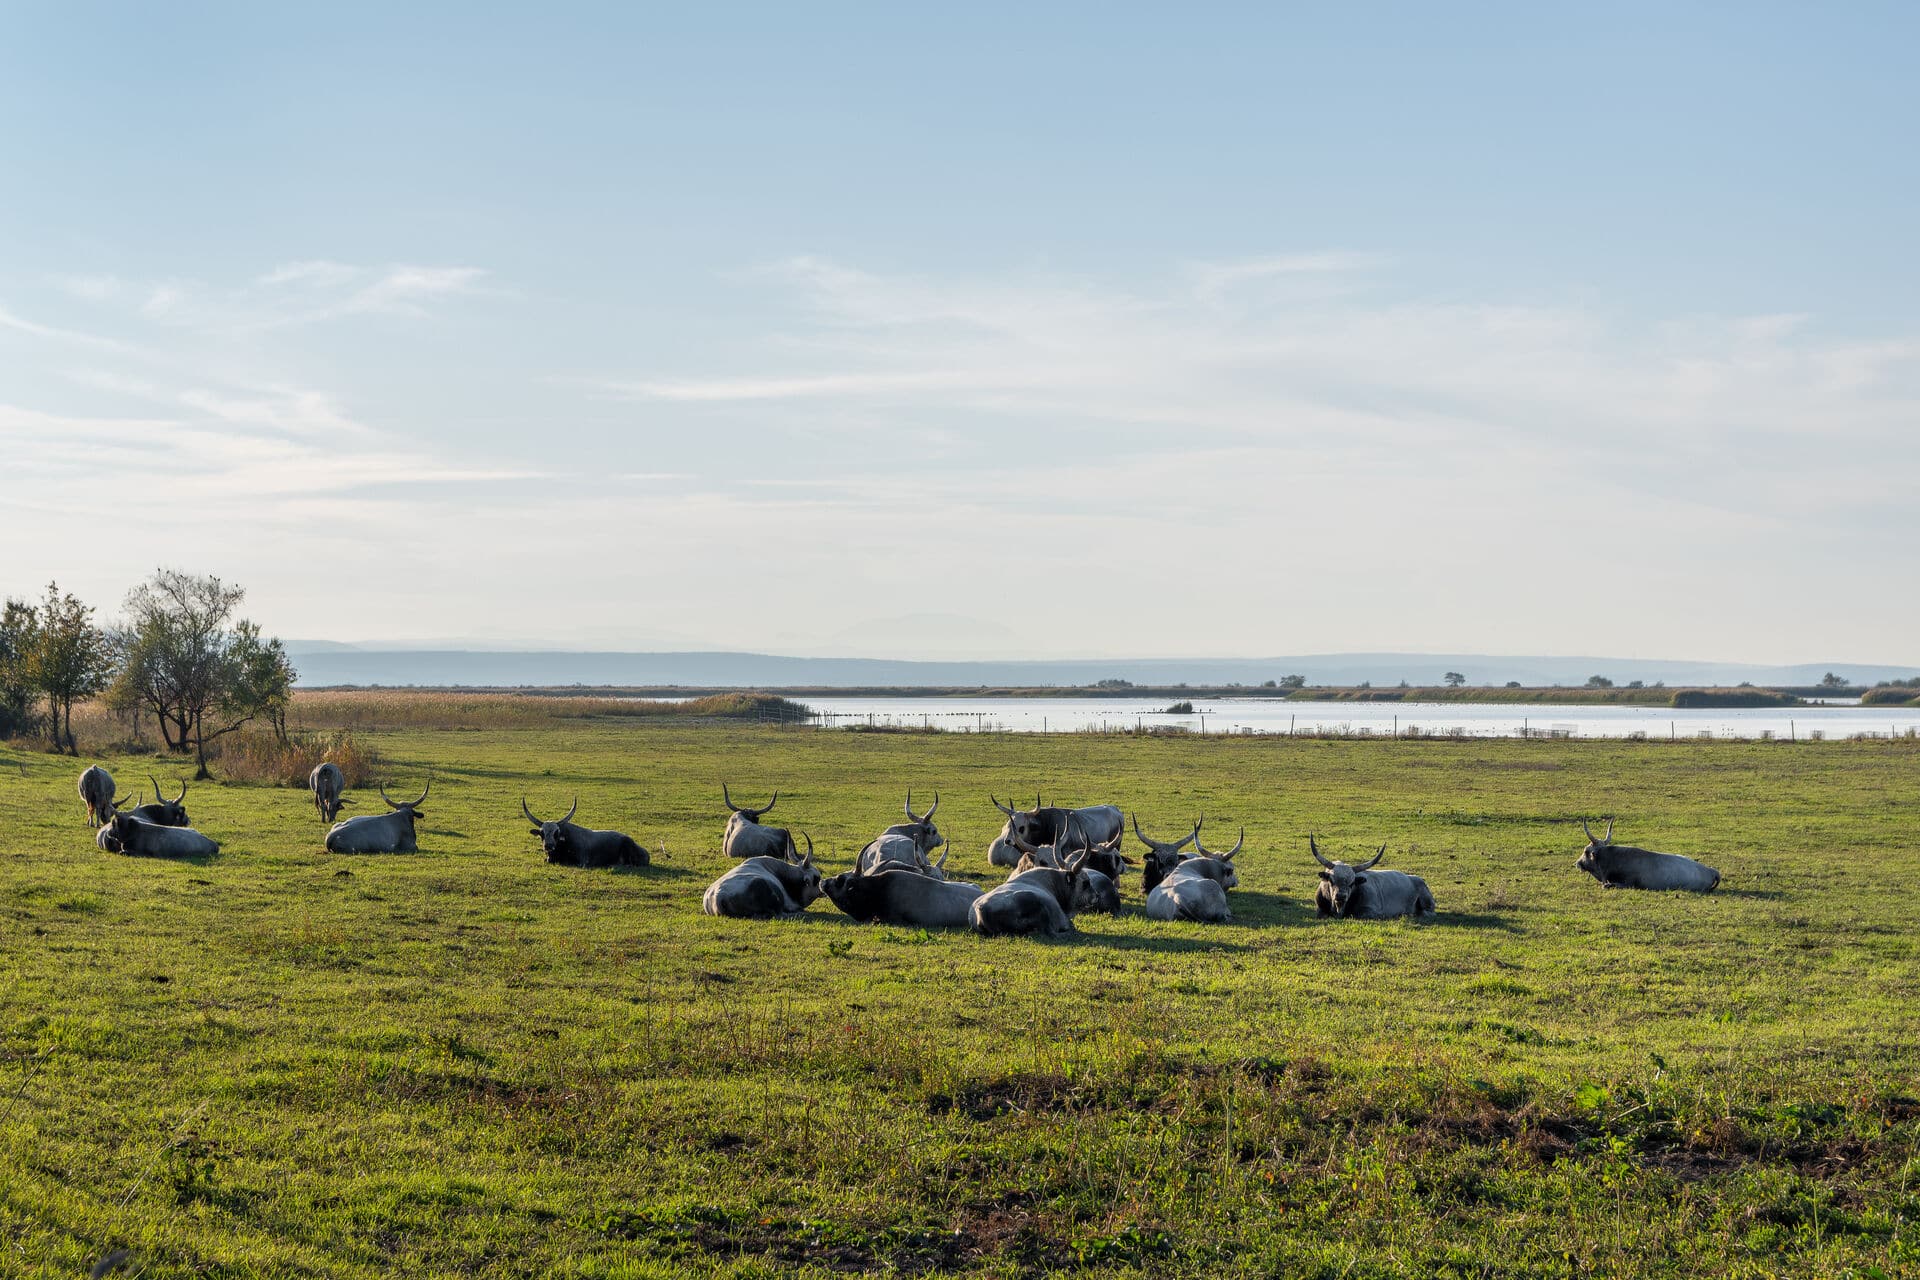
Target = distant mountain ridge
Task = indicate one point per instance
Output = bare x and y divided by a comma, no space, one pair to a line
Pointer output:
334,664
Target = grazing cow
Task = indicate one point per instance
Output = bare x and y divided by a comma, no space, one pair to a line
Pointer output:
328,785
908,844
1042,900
761,888
576,846
746,838
1195,887
895,895
1044,825
1622,866
96,792
1361,893
380,833
163,812
127,834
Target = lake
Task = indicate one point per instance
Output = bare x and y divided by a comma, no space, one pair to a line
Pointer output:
1360,719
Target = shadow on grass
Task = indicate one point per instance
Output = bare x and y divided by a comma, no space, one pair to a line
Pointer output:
1136,942
652,871
1471,920
175,859
1760,895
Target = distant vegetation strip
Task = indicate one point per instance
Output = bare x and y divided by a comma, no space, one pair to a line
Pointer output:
435,709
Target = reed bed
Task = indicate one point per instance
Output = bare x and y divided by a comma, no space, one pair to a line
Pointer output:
445,709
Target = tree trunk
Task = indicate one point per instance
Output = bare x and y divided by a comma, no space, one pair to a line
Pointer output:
200,750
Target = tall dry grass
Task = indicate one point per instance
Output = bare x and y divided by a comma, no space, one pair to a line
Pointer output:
260,758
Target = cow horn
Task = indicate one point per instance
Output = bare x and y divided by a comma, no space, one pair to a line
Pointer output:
1001,807
769,809
385,796
183,791
806,859
1228,855
1374,859
572,811
1020,844
157,797
942,864
1315,846
1609,838
1075,863
415,804
910,817
126,800
530,818
728,798
928,815
1589,830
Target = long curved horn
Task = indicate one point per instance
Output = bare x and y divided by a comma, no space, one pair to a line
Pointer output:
1020,844
1315,846
1228,855
126,800
183,791
806,859
157,797
768,809
910,817
1001,807
570,812
385,796
942,864
415,804
530,818
928,815
1609,830
1147,840
1374,859
1589,830
731,806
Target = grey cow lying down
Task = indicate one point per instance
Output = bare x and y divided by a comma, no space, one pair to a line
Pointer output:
130,835
1361,893
1622,866
762,887
1043,900
1191,886
897,895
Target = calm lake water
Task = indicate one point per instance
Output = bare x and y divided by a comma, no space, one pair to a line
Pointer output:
1258,715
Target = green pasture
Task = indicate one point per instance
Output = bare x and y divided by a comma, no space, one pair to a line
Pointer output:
464,1062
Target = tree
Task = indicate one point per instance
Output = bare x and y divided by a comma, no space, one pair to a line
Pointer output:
68,658
1832,681
1293,682
1513,684
1454,679
1599,682
201,674
18,625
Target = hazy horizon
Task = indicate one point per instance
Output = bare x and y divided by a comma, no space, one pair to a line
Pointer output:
880,332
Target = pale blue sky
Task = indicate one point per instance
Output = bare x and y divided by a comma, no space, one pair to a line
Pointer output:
844,328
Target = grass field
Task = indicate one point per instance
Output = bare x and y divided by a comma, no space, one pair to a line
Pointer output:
463,1062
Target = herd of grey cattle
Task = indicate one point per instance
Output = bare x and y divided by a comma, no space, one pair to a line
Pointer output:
1063,862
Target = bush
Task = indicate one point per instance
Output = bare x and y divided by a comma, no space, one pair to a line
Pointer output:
261,758
1179,709
1892,695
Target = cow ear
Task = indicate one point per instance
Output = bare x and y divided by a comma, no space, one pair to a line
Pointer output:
533,831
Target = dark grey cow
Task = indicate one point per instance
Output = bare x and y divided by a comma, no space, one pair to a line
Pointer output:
163,812
746,838
124,833
571,845
761,888
1042,900
908,844
895,895
1622,866
1362,893
1194,887
380,833
329,787
96,792
1045,825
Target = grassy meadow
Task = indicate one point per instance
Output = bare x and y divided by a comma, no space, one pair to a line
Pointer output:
464,1062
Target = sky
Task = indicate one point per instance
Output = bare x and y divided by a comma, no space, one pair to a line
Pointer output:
973,331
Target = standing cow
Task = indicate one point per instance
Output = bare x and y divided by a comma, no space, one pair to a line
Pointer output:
577,846
96,792
746,838
380,833
1361,893
1622,866
760,888
329,786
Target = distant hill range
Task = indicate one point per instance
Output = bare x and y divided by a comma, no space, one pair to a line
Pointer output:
322,664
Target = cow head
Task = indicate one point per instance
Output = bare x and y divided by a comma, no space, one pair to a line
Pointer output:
1091,890
1597,846
1342,880
809,887
115,833
1163,855
745,813
919,828
169,813
1023,824
1228,877
555,837
411,808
